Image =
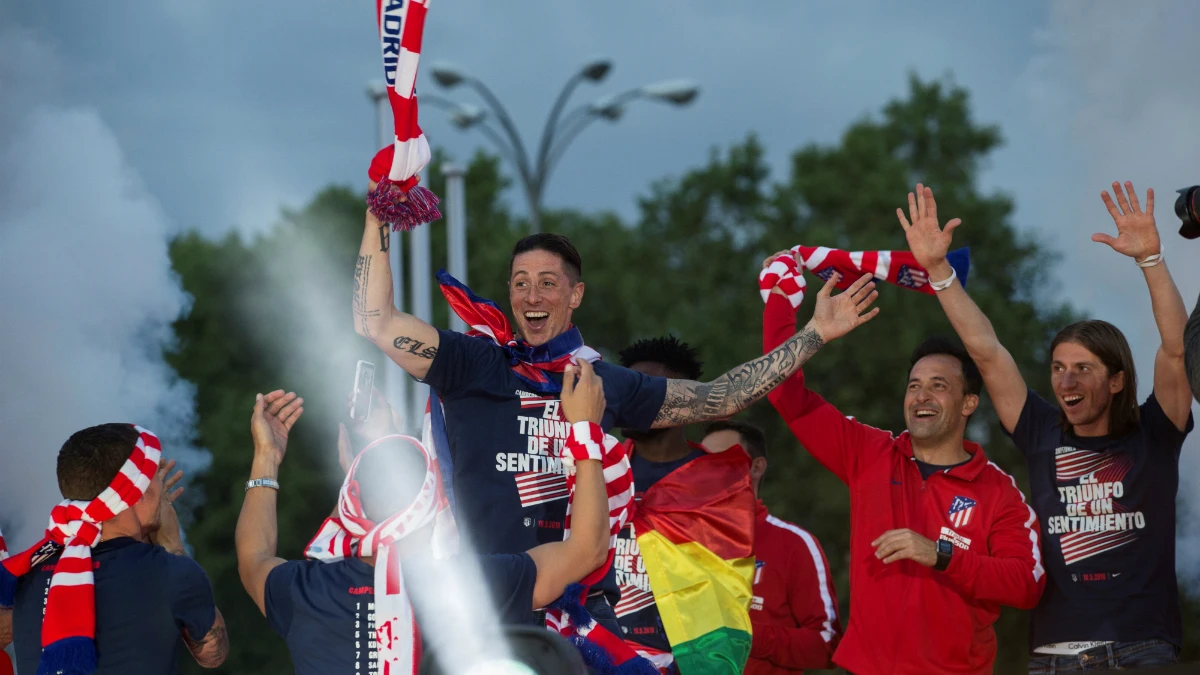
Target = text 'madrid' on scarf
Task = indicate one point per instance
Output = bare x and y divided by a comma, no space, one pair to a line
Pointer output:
397,199
895,267
352,533
695,530
69,623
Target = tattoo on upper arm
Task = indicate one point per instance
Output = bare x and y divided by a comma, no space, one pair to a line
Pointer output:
210,651
362,271
688,402
415,347
385,238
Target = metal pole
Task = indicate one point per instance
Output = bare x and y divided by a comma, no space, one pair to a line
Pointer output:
456,232
397,381
422,308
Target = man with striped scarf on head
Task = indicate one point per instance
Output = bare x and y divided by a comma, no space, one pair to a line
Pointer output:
110,589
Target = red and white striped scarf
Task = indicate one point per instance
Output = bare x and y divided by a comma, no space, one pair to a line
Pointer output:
69,626
394,168
896,267
352,533
603,651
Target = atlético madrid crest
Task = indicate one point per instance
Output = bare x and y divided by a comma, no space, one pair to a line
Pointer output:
960,511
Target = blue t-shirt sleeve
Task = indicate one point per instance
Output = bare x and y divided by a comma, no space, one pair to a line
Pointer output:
633,399
277,600
1037,427
192,601
511,578
460,362
1160,429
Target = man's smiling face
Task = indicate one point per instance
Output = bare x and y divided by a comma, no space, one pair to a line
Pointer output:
543,295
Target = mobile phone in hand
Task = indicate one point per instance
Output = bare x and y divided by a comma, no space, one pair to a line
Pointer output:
364,384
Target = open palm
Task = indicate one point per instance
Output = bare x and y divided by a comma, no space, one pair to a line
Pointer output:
1137,234
927,241
274,416
836,315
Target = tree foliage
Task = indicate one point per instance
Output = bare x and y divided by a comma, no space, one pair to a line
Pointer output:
273,311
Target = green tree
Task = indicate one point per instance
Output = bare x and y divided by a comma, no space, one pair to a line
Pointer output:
707,232
273,312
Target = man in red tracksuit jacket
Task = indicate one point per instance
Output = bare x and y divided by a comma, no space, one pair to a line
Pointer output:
940,538
794,608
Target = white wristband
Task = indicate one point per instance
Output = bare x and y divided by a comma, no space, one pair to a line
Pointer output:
1151,260
945,283
262,482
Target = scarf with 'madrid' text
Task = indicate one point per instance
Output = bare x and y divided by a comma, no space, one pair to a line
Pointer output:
69,626
397,199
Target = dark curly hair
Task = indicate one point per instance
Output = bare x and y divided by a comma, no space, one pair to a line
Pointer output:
669,351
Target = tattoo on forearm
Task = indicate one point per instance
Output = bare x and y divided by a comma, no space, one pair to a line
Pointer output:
688,402
416,347
385,238
362,271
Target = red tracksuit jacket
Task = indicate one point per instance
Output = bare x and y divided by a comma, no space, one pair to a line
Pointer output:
794,610
905,617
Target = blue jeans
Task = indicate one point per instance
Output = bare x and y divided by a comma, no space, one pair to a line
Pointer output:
1115,656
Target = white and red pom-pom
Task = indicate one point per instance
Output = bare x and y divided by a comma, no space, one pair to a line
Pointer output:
404,204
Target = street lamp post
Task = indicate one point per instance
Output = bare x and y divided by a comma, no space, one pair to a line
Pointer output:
559,131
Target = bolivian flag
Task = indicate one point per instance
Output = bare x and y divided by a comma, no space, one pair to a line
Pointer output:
695,529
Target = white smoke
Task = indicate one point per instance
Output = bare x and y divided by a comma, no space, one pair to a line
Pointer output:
1117,81
88,291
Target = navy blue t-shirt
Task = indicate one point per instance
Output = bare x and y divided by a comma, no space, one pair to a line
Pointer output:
509,487
637,612
325,612
1107,512
145,598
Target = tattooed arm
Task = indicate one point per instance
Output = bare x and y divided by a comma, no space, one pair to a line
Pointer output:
689,402
210,651
407,340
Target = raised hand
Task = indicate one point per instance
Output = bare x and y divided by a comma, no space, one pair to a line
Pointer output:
170,492
928,242
582,401
381,420
165,532
1137,234
836,315
274,415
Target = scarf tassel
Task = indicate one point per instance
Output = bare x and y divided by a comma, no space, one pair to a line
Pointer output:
419,206
595,656
8,587
69,656
571,604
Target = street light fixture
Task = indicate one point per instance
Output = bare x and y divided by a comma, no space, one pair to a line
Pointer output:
560,130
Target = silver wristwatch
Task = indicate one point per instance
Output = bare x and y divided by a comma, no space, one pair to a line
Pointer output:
263,482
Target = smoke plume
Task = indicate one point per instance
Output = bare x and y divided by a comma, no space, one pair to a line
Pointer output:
89,294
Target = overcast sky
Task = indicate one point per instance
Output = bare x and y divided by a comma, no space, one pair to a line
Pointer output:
228,110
